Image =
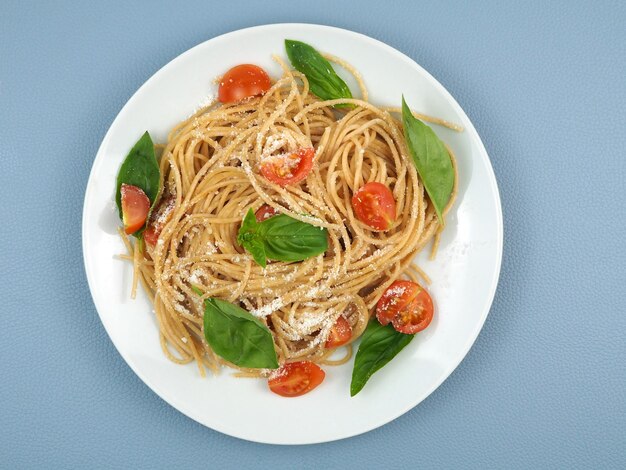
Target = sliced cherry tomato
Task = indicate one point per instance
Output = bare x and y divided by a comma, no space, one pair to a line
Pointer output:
407,306
265,212
243,81
416,316
135,207
296,378
374,205
340,333
150,235
289,168
158,218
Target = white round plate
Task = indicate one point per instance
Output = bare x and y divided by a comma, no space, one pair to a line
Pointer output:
464,274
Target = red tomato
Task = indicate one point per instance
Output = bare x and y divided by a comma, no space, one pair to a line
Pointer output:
289,168
265,212
158,218
407,306
340,333
243,81
150,235
296,378
135,207
374,205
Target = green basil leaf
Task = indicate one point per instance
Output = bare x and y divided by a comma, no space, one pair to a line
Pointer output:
140,168
248,225
249,238
288,239
431,159
281,238
323,81
256,248
238,336
196,289
379,345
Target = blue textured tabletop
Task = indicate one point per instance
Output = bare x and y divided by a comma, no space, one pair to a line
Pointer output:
545,383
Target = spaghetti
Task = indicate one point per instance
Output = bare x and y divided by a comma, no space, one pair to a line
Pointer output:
210,178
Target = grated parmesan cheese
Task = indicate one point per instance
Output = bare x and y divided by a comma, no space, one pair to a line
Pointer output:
267,309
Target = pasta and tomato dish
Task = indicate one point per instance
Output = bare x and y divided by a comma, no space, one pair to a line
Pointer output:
279,224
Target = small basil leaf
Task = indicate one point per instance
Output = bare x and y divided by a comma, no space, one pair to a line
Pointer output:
140,168
288,239
379,345
238,336
431,159
323,81
256,248
248,225
248,237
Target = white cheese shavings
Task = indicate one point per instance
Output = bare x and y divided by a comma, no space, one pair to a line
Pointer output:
267,309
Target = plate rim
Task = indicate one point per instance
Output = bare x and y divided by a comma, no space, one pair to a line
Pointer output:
470,338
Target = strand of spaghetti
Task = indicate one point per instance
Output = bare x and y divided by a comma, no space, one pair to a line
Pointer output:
355,73
427,118
136,261
414,271
341,360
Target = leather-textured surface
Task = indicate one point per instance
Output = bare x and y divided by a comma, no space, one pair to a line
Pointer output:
545,384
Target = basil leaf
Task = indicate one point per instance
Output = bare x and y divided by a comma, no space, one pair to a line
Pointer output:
379,345
140,168
323,81
249,224
431,159
281,238
238,336
249,238
288,239
256,248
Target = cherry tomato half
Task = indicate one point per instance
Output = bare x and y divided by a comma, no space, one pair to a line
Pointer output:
265,212
151,235
296,378
288,168
243,81
158,219
374,205
135,207
340,333
407,306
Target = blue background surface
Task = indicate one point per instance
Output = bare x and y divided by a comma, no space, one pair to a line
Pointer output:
545,383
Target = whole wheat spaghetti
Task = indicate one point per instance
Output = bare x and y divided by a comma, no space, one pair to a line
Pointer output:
210,178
